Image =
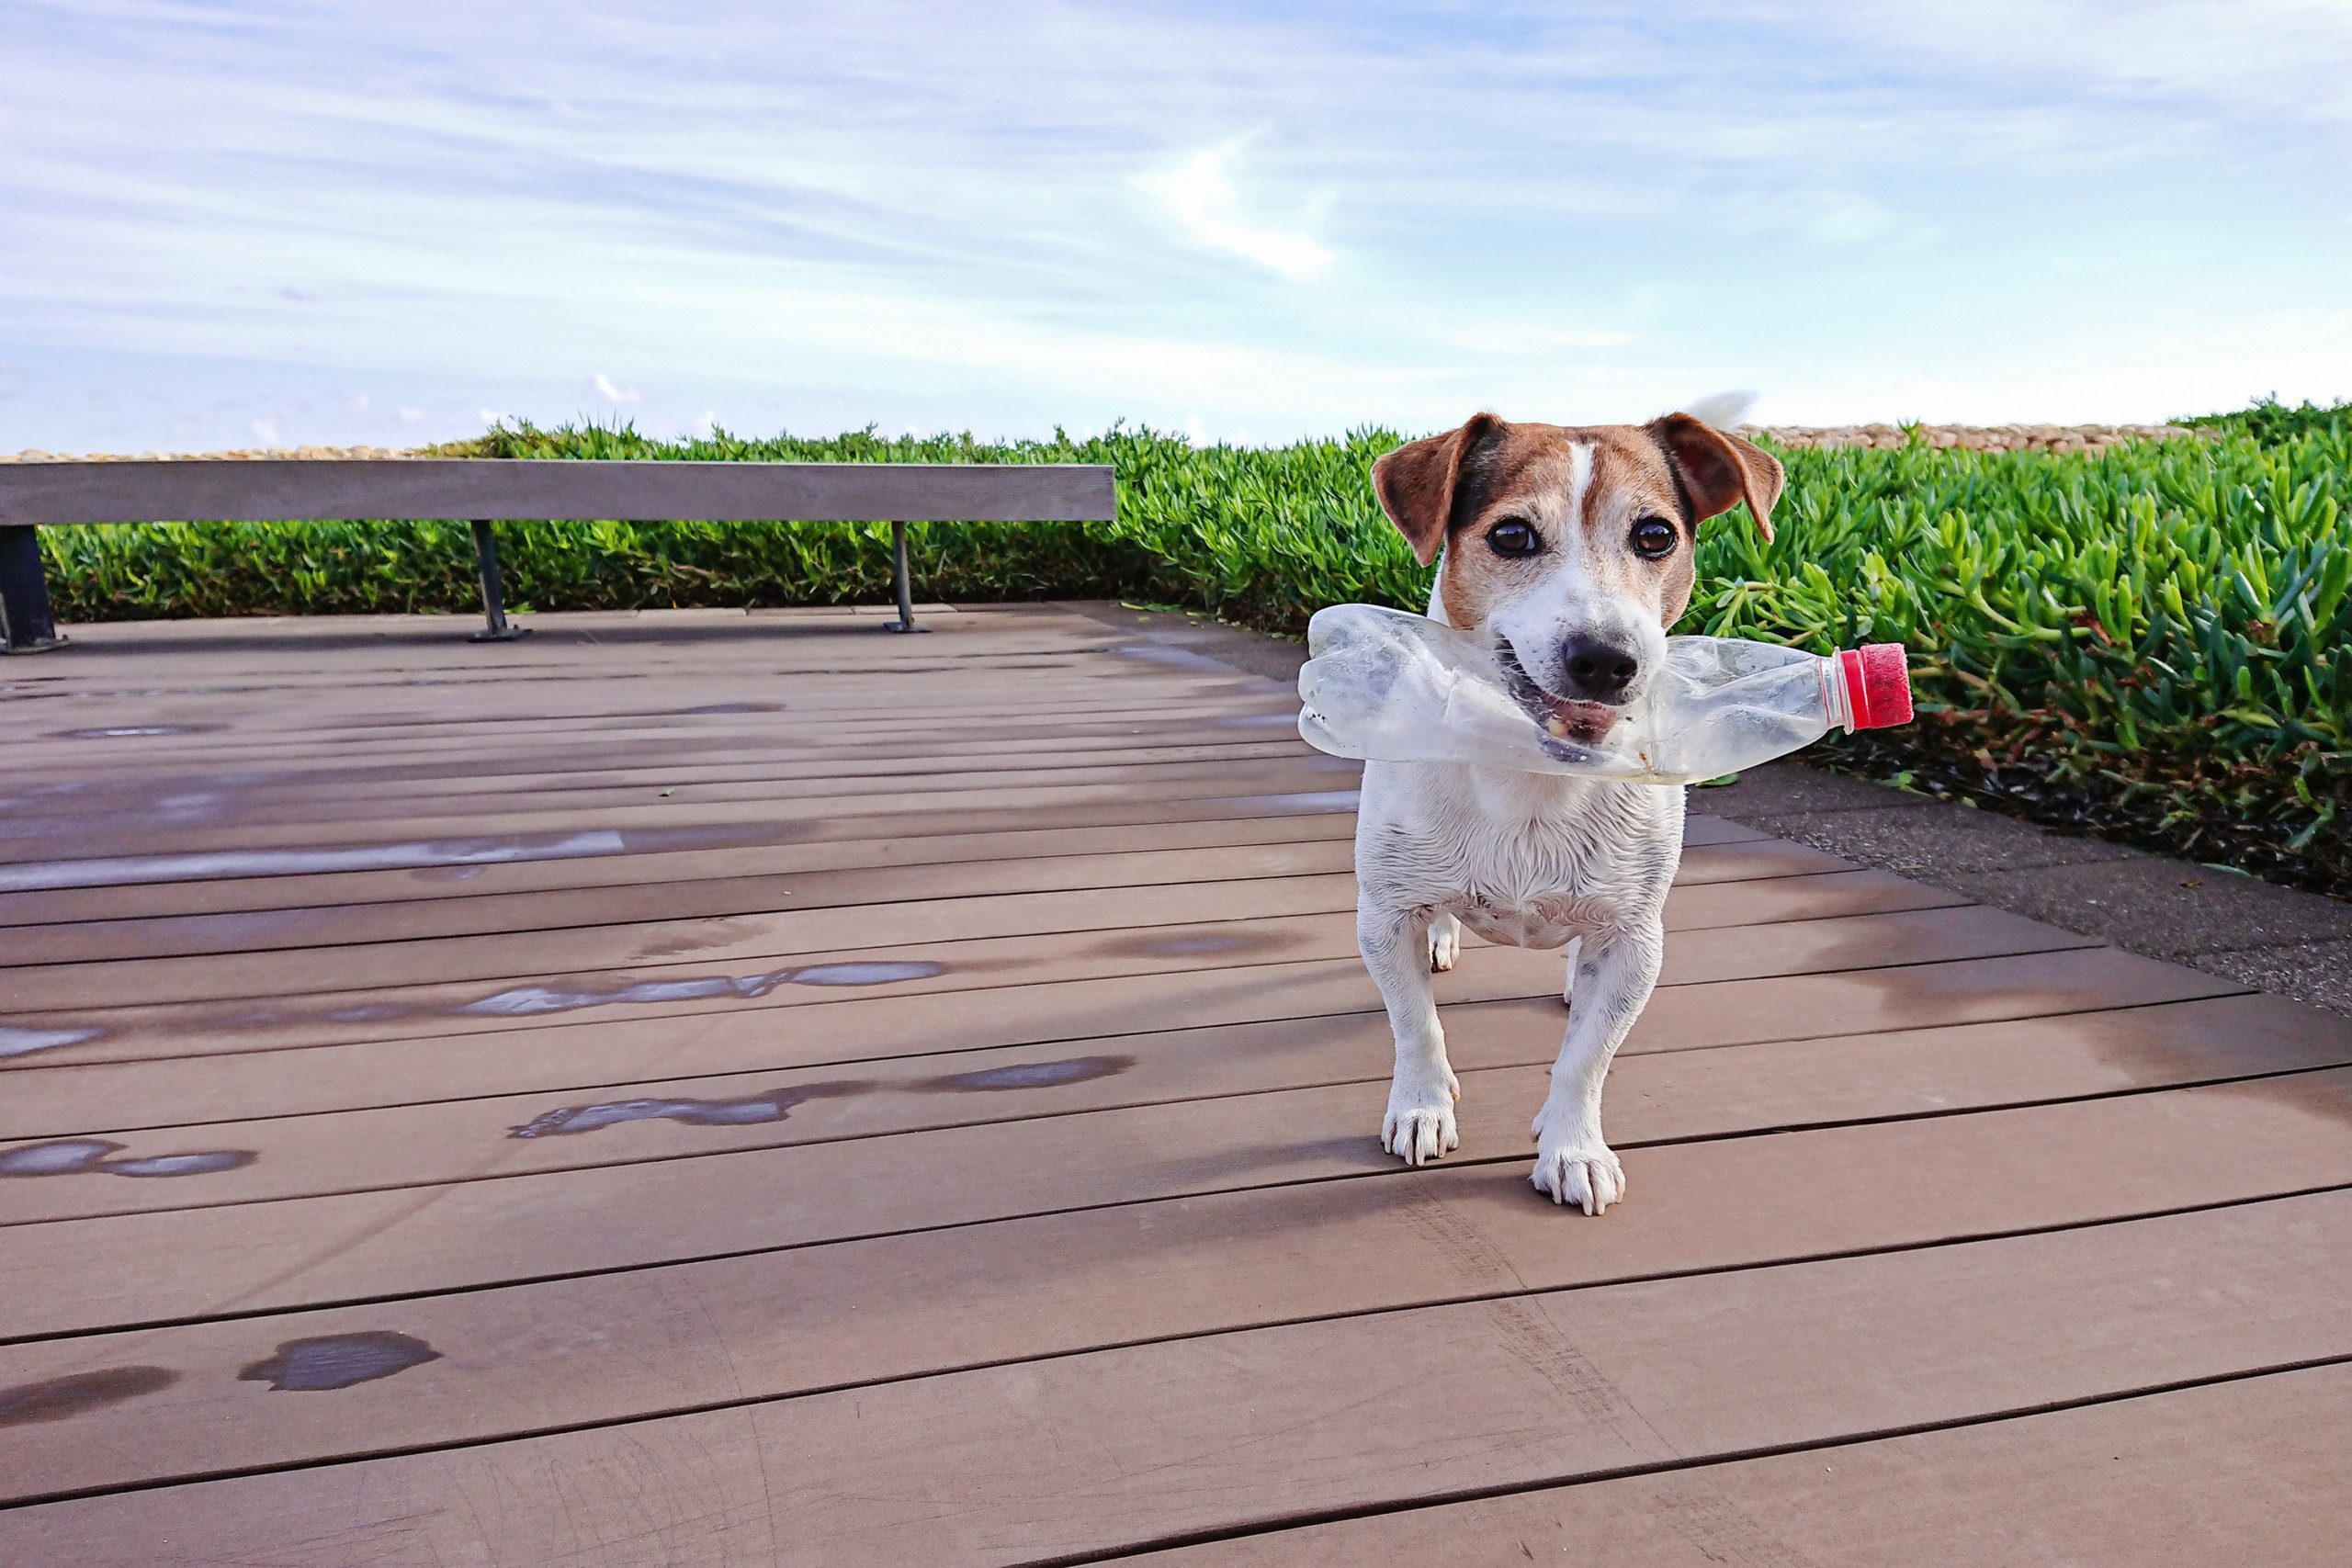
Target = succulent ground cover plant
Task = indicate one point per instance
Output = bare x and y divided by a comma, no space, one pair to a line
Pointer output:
2147,640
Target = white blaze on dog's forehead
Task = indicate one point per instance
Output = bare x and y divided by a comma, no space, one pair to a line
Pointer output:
1580,477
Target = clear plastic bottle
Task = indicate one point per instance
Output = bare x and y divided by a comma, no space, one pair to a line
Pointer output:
1387,686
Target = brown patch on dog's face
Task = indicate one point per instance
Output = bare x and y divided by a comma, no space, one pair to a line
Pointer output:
1566,540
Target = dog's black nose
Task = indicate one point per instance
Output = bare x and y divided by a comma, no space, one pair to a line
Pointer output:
1598,672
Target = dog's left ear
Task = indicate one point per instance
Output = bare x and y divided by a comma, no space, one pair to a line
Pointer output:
1720,470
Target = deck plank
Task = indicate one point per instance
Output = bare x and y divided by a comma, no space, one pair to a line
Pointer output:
1138,1445
2225,1473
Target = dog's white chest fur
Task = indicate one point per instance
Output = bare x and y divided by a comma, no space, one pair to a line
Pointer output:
1522,859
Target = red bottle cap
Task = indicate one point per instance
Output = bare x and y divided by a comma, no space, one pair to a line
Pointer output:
1877,684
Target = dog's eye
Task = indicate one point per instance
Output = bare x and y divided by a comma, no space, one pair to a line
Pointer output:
1514,536
1654,537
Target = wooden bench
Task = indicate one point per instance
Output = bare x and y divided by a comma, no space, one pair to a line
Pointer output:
487,490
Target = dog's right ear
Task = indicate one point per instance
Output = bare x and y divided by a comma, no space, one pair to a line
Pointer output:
1416,484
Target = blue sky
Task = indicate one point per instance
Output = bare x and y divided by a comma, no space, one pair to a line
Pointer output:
249,220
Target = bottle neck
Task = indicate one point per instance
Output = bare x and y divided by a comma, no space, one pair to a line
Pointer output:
1836,702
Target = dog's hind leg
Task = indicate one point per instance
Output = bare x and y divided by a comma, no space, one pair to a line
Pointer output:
1445,941
1397,952
1615,973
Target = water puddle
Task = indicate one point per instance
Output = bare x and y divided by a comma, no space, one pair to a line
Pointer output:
37,877
533,1001
24,1042
878,974
1195,944
775,1105
1033,1075
339,1360
78,1157
128,730
751,1111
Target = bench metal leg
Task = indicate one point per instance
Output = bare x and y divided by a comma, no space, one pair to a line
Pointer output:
493,605
26,625
902,582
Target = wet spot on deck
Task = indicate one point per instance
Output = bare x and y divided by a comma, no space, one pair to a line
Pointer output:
339,1360
76,1156
1175,658
128,731
34,877
875,973
1033,1075
380,1012
695,936
535,1001
24,1042
202,1164
58,1398
752,1111
532,1001
710,836
1183,944
1305,800
60,1157
1202,943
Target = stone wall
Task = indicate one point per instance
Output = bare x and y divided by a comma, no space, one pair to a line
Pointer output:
2091,439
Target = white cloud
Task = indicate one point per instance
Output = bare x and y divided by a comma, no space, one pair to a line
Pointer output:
265,432
411,415
1528,339
612,394
1199,193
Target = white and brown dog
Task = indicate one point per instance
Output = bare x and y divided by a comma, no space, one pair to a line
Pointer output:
1569,550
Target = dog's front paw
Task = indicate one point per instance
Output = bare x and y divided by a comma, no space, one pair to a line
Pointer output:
1581,1175
1419,1124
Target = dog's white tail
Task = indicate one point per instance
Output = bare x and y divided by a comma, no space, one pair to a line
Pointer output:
1723,411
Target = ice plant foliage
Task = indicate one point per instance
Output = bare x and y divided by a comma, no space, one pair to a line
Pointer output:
2151,643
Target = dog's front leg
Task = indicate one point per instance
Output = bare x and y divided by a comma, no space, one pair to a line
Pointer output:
1615,972
1419,1124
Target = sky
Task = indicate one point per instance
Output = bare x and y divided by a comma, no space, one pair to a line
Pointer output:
239,223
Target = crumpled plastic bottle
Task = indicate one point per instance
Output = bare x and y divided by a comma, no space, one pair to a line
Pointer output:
1387,686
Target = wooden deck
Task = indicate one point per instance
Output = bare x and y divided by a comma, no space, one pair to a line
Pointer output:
705,1089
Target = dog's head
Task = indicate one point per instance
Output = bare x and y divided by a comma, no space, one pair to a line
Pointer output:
1570,547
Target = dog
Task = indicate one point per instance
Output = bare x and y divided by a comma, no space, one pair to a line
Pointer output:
1569,551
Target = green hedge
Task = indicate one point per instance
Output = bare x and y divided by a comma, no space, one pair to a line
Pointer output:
2150,643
